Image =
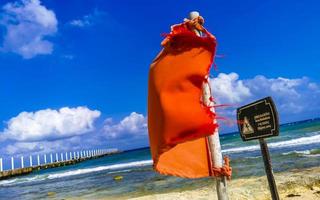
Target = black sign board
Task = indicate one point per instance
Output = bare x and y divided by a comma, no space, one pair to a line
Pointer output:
258,120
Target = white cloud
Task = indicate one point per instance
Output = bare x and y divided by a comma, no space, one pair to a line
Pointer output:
75,143
313,86
81,23
294,98
87,20
50,124
42,147
28,24
130,132
134,125
229,89
22,147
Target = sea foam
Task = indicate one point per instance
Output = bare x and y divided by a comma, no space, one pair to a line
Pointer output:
102,168
289,143
75,172
306,152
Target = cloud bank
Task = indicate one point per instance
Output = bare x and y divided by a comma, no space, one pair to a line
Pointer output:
227,88
133,125
295,98
50,124
28,24
71,129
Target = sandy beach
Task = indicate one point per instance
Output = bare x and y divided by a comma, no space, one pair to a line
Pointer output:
296,184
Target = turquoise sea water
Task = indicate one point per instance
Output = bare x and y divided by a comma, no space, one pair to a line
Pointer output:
297,147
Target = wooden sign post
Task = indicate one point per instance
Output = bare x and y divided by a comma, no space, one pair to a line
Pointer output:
259,120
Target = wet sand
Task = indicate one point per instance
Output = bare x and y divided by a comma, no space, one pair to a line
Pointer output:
296,184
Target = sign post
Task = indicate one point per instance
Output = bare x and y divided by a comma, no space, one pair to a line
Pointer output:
259,120
268,168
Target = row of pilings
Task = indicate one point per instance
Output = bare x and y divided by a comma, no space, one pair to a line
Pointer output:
51,161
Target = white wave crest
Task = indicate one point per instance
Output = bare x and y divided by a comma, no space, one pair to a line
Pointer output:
102,168
120,171
289,143
75,172
312,156
297,152
22,180
8,182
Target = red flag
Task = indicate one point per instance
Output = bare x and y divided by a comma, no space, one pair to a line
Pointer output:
178,121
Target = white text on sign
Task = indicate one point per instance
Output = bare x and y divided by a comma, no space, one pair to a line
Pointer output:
262,121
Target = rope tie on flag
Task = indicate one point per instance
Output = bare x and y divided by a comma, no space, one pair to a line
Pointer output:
195,23
225,170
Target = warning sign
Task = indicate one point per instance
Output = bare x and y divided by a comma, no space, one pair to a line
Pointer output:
246,127
258,120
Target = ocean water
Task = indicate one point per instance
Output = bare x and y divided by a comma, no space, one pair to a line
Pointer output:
297,147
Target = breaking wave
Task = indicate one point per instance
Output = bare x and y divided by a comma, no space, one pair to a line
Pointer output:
102,168
289,143
77,172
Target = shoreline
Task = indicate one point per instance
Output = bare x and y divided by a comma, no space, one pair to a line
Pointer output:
295,184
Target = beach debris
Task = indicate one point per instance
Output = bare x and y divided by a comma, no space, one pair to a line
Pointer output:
117,178
293,195
51,194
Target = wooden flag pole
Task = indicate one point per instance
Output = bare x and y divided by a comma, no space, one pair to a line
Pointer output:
214,141
215,148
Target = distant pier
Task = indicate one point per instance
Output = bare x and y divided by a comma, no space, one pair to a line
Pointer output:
56,160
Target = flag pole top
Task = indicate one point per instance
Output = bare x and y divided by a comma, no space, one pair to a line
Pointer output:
193,15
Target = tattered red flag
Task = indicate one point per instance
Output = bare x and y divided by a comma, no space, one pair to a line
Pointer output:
178,121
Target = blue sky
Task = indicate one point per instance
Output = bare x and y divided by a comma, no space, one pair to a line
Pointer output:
74,73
